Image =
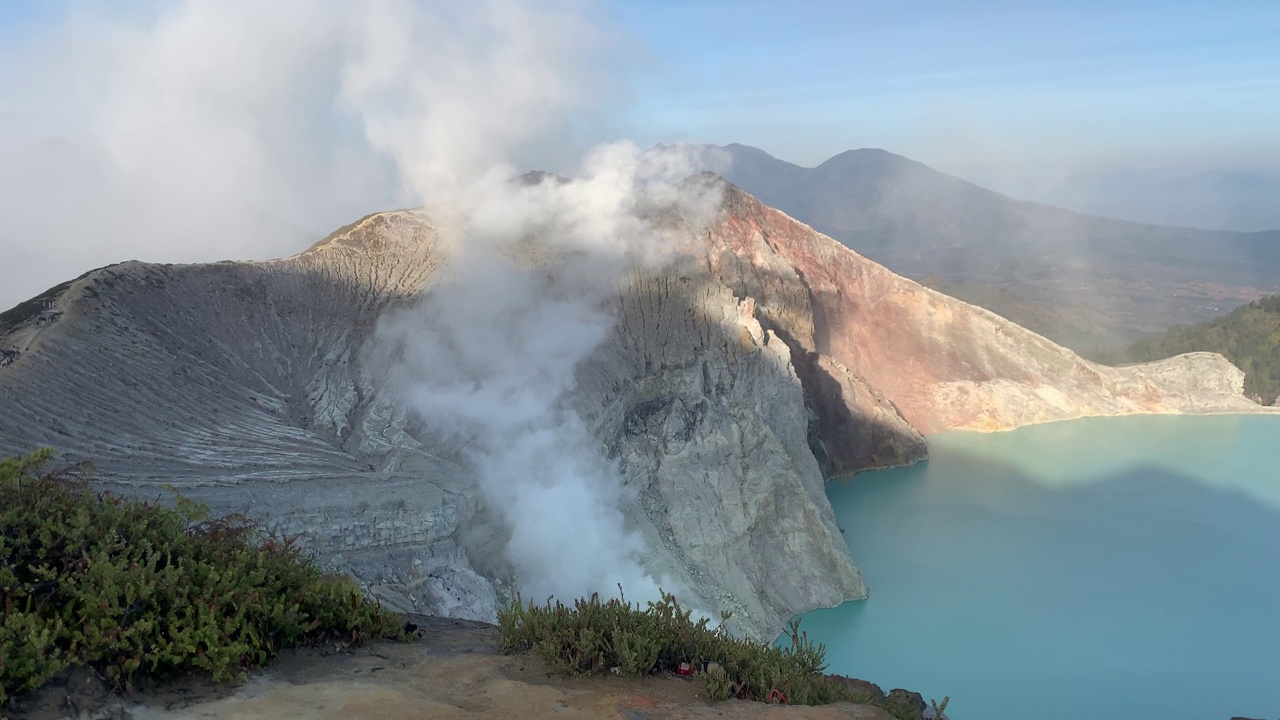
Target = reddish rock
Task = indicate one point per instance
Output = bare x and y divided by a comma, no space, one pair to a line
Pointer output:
871,343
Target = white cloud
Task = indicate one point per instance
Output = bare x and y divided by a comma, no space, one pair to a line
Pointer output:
231,129
207,129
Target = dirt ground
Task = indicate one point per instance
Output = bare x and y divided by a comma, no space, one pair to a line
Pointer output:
454,672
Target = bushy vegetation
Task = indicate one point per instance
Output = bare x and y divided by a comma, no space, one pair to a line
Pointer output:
136,590
133,589
1249,336
598,636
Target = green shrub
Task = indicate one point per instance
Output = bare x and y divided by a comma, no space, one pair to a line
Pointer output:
595,636
135,589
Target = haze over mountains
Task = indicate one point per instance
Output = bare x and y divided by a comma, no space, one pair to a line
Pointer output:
1242,199
1088,282
1082,280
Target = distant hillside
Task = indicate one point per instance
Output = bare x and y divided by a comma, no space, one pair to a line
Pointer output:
1085,281
1248,336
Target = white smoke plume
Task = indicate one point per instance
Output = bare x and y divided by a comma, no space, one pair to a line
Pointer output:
180,132
205,129
489,360
490,357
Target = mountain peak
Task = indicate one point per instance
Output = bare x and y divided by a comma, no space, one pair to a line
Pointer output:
871,157
740,149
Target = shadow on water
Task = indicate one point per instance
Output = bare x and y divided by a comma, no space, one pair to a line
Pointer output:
1143,593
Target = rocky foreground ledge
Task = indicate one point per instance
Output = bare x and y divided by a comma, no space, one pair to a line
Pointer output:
454,672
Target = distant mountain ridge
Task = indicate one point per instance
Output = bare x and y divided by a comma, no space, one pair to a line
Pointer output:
1116,280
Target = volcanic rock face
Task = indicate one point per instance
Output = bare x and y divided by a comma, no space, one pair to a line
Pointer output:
762,360
945,364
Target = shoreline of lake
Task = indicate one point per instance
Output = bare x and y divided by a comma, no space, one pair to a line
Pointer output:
1070,560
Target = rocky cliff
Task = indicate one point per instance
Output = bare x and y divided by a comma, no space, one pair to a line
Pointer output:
945,364
761,360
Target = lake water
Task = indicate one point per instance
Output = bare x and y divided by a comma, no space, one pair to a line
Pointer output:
1101,568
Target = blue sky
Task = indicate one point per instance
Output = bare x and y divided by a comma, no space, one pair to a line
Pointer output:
1196,83
944,81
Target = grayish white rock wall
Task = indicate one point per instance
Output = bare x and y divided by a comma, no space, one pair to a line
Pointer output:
252,387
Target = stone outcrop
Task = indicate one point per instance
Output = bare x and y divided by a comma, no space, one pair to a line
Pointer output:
765,358
706,416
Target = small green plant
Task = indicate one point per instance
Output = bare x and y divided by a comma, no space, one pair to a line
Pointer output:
134,589
594,636
940,710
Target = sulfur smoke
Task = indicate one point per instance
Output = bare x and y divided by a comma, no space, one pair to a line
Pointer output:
489,360
207,129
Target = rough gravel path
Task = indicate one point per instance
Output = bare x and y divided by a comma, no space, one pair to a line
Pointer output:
454,671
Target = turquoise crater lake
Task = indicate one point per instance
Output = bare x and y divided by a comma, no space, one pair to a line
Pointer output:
1100,568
